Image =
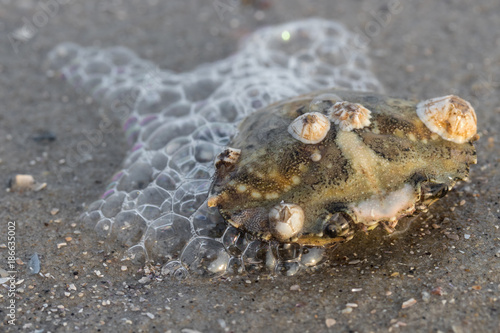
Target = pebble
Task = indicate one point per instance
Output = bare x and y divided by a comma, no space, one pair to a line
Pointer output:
437,291
54,211
34,264
330,322
347,310
144,279
295,287
39,186
408,303
4,280
426,296
21,182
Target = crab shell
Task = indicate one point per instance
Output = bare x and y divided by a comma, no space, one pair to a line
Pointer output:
357,177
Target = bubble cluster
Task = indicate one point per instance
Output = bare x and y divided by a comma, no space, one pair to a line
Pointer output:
176,124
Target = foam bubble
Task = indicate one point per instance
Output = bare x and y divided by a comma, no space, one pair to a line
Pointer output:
177,123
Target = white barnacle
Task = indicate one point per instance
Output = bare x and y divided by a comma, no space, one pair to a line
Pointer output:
350,116
310,128
286,221
451,117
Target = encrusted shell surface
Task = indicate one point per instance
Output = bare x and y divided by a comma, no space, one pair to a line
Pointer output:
392,167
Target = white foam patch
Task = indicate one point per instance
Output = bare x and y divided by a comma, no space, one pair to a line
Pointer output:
176,125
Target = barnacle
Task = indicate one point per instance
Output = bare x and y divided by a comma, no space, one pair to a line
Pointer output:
286,221
310,127
350,116
452,117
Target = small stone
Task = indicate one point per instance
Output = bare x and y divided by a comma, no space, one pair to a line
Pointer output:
351,305
124,268
346,311
21,182
54,211
59,245
144,279
295,287
34,264
426,296
330,322
408,303
39,186
437,291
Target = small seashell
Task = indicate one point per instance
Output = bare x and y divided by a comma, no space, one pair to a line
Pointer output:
286,221
21,182
452,117
350,116
310,128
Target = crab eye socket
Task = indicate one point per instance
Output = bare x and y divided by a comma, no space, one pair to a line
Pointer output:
337,226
